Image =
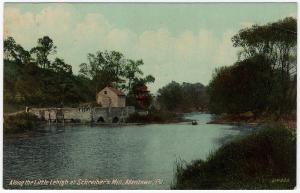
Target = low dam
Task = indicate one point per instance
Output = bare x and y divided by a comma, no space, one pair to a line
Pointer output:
84,114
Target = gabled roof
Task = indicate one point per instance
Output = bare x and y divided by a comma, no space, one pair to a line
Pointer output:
116,91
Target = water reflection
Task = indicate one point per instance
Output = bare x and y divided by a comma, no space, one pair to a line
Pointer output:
131,152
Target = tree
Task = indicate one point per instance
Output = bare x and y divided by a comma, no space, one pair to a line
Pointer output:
132,71
148,79
277,42
248,85
34,85
139,95
15,52
194,95
53,83
182,97
104,68
60,66
112,69
63,79
41,52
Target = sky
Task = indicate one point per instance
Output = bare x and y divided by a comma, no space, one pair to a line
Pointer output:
177,41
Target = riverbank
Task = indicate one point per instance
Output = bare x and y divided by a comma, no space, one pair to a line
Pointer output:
20,122
265,159
249,119
159,117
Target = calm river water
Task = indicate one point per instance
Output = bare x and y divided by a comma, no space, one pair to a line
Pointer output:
78,156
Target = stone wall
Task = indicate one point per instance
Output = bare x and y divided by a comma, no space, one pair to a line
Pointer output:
82,114
97,114
113,114
100,114
44,113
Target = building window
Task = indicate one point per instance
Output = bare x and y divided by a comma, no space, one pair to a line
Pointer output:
105,92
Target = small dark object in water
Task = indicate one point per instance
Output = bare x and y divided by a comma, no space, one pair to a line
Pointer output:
194,122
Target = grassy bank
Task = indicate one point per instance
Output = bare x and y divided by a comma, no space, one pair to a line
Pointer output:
20,122
248,118
265,159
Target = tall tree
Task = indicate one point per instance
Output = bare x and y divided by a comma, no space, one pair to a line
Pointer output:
278,42
41,52
132,71
103,68
248,85
15,52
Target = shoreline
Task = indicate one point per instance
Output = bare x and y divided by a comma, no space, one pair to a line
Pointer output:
17,123
235,123
253,154
252,122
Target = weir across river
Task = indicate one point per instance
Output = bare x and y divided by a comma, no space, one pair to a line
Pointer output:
83,114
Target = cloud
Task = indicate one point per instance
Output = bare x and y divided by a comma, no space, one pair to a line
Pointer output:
92,24
186,56
17,24
26,26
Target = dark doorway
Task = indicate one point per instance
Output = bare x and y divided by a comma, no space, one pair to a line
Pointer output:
115,120
100,120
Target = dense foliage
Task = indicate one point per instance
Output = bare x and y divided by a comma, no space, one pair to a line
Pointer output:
28,84
155,117
182,97
263,160
31,78
264,78
248,85
20,122
111,68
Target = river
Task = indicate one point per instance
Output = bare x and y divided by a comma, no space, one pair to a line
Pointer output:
72,155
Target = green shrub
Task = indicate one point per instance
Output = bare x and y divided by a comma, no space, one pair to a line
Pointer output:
263,160
20,122
155,117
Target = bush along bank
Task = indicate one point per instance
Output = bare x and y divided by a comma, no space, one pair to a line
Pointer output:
20,122
156,117
251,119
265,159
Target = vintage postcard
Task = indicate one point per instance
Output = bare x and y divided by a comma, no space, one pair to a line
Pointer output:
149,95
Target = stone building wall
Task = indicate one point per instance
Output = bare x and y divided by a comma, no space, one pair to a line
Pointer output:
108,98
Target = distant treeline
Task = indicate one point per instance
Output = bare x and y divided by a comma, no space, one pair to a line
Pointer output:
263,80
185,97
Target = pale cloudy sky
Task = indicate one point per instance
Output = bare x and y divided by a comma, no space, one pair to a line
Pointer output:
181,42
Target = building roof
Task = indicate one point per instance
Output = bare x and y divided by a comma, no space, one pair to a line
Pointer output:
117,91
